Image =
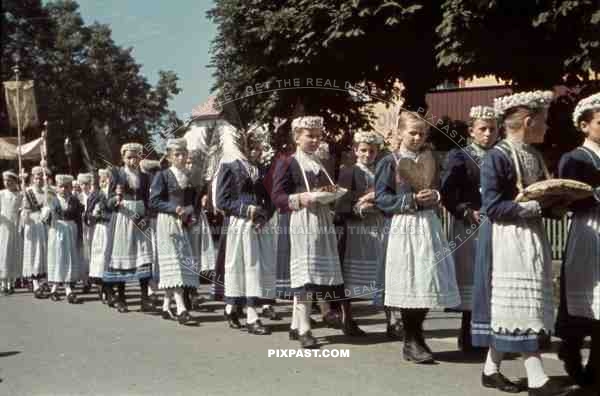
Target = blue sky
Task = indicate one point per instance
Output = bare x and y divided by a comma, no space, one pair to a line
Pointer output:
168,35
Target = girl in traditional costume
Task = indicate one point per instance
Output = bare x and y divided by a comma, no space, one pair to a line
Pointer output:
579,313
419,271
35,248
85,183
202,243
131,257
151,167
174,198
314,261
462,198
64,215
513,303
362,246
250,264
10,207
98,218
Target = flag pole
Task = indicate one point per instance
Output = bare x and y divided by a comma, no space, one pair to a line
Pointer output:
17,71
44,161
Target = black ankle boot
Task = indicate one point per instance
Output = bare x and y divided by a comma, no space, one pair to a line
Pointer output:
307,341
257,328
414,349
570,353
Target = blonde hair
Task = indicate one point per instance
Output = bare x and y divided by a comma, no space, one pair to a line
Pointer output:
515,117
296,132
408,119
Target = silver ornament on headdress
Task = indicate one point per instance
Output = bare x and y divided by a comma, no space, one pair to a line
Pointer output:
532,100
308,122
589,103
63,179
135,147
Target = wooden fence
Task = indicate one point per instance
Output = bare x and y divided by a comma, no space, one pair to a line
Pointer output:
556,230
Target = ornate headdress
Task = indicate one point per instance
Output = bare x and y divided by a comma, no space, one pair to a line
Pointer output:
369,137
9,174
83,178
63,179
261,134
177,144
532,100
135,147
482,112
37,170
589,103
309,122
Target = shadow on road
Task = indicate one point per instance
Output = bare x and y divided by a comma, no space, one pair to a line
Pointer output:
9,353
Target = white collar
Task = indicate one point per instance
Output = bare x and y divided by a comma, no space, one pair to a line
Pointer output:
479,151
308,161
367,168
406,153
590,144
517,144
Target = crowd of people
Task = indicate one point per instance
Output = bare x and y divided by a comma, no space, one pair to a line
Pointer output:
291,231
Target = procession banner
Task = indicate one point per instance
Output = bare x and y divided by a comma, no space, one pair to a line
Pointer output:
27,105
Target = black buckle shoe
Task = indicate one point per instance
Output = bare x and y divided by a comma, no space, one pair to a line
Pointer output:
257,328
293,334
413,351
351,329
121,306
73,299
184,318
111,300
500,382
332,320
168,314
270,313
307,341
233,320
550,388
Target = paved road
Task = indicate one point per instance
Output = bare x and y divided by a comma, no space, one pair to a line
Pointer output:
49,348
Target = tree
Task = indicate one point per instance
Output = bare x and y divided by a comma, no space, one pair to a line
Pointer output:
83,79
371,43
532,44
364,44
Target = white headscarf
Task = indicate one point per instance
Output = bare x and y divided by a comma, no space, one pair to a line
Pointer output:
233,150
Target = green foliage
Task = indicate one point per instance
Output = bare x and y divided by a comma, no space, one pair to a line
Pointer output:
354,42
83,79
534,44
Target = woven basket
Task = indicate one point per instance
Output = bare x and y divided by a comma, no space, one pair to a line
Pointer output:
555,192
